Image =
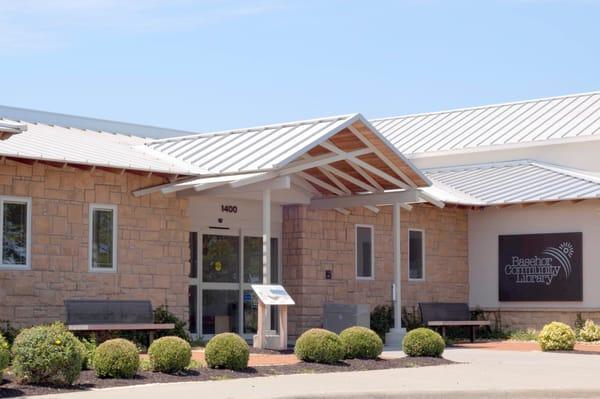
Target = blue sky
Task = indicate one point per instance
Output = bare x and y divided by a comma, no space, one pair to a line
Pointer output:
211,65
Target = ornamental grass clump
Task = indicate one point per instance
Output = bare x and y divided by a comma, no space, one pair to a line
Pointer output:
169,355
116,358
4,354
361,343
319,346
557,336
47,355
423,342
227,351
590,331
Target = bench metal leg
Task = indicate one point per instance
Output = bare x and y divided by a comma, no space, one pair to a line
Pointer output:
473,333
444,332
150,337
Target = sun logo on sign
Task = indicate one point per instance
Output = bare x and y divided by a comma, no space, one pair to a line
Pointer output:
566,248
563,255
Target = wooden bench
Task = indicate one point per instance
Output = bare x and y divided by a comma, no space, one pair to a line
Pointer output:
441,315
108,315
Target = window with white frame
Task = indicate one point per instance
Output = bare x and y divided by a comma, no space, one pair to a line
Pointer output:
103,238
16,232
365,257
416,254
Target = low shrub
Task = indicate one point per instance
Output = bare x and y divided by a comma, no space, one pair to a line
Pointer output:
163,315
320,346
8,331
382,319
116,358
423,342
169,355
227,351
4,354
88,348
590,331
361,343
556,336
47,354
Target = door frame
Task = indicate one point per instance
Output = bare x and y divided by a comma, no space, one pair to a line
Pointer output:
241,285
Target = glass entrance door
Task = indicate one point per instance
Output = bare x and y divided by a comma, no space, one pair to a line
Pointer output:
228,265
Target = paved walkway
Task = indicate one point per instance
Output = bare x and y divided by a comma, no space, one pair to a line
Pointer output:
524,346
257,359
481,374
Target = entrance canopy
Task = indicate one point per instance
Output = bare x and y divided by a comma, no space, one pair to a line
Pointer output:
331,160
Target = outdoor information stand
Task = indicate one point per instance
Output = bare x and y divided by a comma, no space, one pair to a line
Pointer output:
269,295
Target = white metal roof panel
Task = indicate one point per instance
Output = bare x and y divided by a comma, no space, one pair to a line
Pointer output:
254,149
80,146
511,182
554,118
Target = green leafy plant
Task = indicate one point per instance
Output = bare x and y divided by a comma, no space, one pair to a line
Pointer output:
361,343
382,320
320,346
556,336
163,315
523,335
169,354
88,347
4,354
47,354
411,319
227,351
116,358
8,331
423,342
590,331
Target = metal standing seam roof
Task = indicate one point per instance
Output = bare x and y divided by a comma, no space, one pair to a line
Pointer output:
511,182
86,147
266,148
566,117
248,150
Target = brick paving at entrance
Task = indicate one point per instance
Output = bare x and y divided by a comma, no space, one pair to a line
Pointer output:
523,346
257,359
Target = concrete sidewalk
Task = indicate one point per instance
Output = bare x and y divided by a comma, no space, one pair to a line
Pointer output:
481,374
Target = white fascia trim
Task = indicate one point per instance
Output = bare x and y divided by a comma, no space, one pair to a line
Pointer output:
501,147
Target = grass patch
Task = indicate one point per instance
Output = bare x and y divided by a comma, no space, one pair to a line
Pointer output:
523,335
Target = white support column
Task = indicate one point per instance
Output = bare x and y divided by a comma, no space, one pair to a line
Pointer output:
394,337
266,239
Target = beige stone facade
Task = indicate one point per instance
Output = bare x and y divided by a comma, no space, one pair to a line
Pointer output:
153,252
523,319
318,240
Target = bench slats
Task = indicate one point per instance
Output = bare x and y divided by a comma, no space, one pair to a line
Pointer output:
116,327
455,323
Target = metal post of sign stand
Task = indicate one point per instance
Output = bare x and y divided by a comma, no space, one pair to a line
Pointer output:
283,333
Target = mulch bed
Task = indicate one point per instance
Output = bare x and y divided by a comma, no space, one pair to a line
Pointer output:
88,380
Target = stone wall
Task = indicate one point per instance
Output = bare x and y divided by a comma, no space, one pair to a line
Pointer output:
523,319
318,240
152,250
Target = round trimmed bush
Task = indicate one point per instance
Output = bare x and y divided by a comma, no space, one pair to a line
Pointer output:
423,342
320,346
169,355
227,351
116,358
47,354
4,354
361,343
556,336
590,331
